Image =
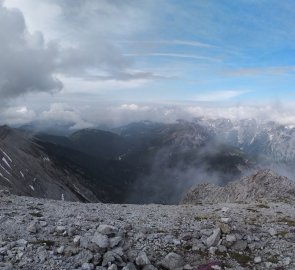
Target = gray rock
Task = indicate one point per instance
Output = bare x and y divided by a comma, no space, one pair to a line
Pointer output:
43,223
96,258
287,261
32,228
70,251
226,220
131,255
257,259
87,266
230,238
60,250
76,240
224,209
42,256
100,240
84,256
142,259
240,245
212,250
222,249
129,266
85,241
118,251
108,257
115,241
172,261
149,267
107,229
113,267
6,266
60,229
272,231
21,242
3,251
214,238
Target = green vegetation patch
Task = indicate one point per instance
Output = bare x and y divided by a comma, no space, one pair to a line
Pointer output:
242,259
290,222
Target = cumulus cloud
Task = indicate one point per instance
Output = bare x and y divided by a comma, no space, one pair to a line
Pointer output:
27,64
83,48
17,115
64,114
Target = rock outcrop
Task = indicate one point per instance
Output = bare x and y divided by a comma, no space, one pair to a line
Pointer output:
264,185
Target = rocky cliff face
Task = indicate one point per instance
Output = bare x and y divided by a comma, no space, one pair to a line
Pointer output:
264,185
26,169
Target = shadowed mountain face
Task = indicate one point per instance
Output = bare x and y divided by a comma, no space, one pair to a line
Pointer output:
26,169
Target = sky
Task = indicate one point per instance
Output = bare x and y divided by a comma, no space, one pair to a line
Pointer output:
112,61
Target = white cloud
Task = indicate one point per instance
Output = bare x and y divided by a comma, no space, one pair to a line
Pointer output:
39,15
17,115
64,114
134,107
27,63
92,116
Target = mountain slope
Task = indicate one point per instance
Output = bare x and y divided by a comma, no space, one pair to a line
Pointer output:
26,169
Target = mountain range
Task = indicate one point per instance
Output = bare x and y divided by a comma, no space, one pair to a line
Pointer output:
142,162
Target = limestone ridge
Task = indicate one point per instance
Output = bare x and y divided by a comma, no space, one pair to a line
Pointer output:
264,185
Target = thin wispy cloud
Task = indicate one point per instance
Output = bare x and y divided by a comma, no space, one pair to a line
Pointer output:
220,95
191,43
256,71
174,55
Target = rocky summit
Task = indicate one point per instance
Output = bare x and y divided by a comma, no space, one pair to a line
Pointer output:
48,234
264,185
